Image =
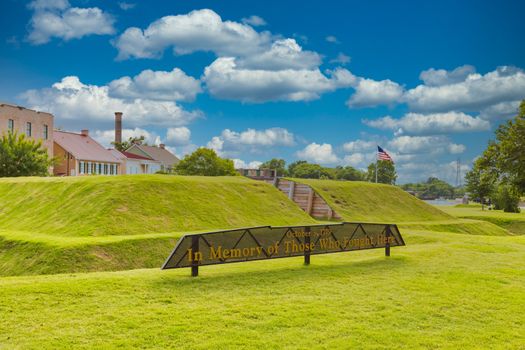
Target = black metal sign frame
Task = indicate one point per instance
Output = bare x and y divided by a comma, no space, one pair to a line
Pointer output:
273,242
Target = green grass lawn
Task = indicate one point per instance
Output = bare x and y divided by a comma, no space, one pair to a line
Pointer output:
458,284
141,204
365,201
56,225
443,290
512,222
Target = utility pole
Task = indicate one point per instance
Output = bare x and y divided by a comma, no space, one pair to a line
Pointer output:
458,172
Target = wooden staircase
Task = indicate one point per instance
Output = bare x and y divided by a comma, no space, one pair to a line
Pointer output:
306,198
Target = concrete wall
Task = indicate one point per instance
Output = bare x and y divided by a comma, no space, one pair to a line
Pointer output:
21,116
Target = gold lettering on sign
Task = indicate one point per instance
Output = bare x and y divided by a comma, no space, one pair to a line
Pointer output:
192,257
292,246
234,253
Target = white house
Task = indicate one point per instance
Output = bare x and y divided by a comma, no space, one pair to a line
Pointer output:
136,164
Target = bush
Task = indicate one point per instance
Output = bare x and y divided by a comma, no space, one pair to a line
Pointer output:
21,156
205,162
507,199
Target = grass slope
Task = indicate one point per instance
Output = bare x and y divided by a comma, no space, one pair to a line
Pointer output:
55,225
365,201
128,205
512,222
442,290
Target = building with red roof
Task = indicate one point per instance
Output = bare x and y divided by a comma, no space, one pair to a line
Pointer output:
79,154
135,163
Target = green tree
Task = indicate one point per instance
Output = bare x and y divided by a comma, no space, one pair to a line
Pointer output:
480,182
312,171
293,165
506,198
279,165
507,153
124,145
206,162
349,173
386,172
431,189
20,156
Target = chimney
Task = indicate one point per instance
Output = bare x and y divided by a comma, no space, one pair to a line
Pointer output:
118,127
84,132
162,145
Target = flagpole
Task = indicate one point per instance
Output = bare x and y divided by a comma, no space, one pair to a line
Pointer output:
376,165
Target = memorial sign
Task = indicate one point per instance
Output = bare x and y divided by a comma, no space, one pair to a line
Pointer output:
267,242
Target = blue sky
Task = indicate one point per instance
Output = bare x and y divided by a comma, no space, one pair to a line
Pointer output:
323,81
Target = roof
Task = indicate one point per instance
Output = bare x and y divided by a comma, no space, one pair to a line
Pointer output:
2,104
83,147
116,154
157,153
134,156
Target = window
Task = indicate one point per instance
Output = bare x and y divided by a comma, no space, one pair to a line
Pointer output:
28,129
46,132
11,125
81,167
105,169
99,168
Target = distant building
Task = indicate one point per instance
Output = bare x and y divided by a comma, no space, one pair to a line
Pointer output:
135,164
35,125
159,155
258,174
166,159
79,154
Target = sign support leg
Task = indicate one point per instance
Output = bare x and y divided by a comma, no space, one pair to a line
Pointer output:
307,243
194,262
387,245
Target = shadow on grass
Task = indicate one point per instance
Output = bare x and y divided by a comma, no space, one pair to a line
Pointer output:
295,271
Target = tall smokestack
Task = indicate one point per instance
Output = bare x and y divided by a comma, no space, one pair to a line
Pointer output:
118,127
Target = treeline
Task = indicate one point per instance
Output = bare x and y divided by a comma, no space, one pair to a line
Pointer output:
303,169
433,188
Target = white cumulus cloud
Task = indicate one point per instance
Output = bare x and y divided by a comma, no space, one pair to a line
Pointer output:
470,92
341,59
430,124
425,144
254,21
318,153
199,30
359,146
75,103
178,136
157,85
56,18
225,80
251,140
439,77
369,93
283,54
241,164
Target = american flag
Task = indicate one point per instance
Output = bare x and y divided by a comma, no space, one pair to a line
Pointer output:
382,155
